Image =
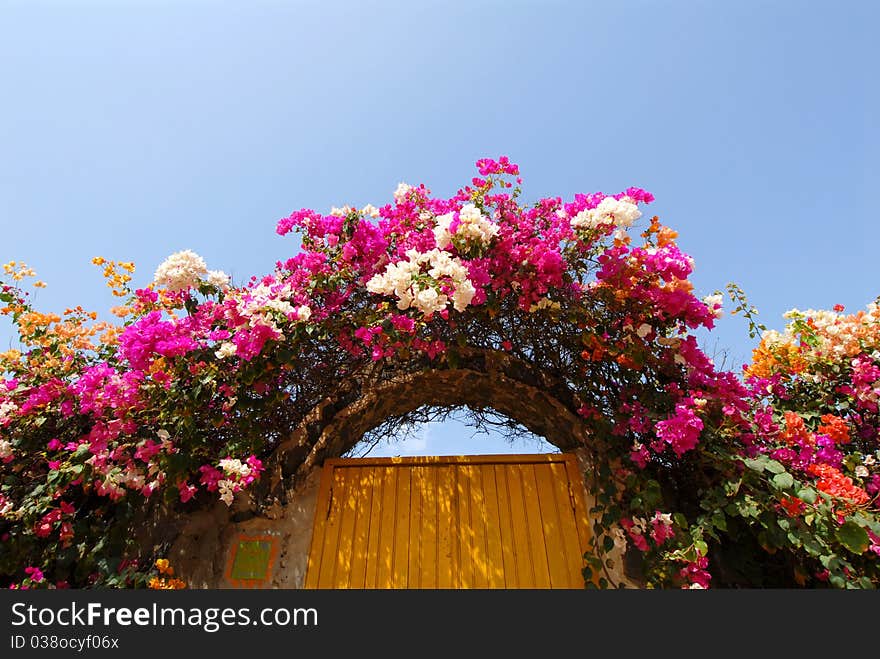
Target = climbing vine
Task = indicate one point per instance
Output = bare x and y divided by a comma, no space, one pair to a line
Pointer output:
704,476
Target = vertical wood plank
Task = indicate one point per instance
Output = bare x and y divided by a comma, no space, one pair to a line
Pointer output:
416,532
505,525
316,550
385,555
371,560
557,560
361,537
534,525
447,544
331,531
479,551
342,573
568,525
465,529
400,565
428,544
494,554
525,573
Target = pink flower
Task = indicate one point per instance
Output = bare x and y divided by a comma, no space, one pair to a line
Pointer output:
640,455
186,490
35,574
661,528
682,430
695,574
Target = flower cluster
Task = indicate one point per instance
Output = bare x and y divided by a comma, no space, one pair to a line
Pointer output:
610,212
466,230
426,281
185,270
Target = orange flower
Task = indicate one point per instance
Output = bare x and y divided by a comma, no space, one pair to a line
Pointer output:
832,481
792,505
836,428
796,431
666,236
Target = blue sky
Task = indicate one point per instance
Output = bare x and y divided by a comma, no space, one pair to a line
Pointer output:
136,129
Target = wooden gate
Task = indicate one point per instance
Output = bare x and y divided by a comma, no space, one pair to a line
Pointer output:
488,521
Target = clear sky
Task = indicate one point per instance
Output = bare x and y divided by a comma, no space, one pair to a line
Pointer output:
134,129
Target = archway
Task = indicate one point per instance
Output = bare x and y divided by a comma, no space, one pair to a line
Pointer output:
491,380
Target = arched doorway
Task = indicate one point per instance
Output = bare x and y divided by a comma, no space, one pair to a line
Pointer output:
266,540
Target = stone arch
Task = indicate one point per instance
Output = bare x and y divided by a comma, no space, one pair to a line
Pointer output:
283,510
485,379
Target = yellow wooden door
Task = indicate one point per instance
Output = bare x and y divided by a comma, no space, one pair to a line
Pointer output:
488,521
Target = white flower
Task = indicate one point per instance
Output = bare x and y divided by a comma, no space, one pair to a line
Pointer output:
869,460
234,467
773,338
181,271
405,280
619,212
473,228
227,490
340,212
463,295
163,435
429,301
7,407
442,235
862,471
218,278
714,302
696,586
303,312
619,537
5,449
544,303
400,192
644,330
370,211
227,349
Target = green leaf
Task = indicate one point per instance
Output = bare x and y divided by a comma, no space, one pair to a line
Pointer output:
680,521
719,521
652,494
783,480
853,537
774,467
837,581
756,465
807,495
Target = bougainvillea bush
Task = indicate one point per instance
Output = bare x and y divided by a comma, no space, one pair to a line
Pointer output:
702,477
